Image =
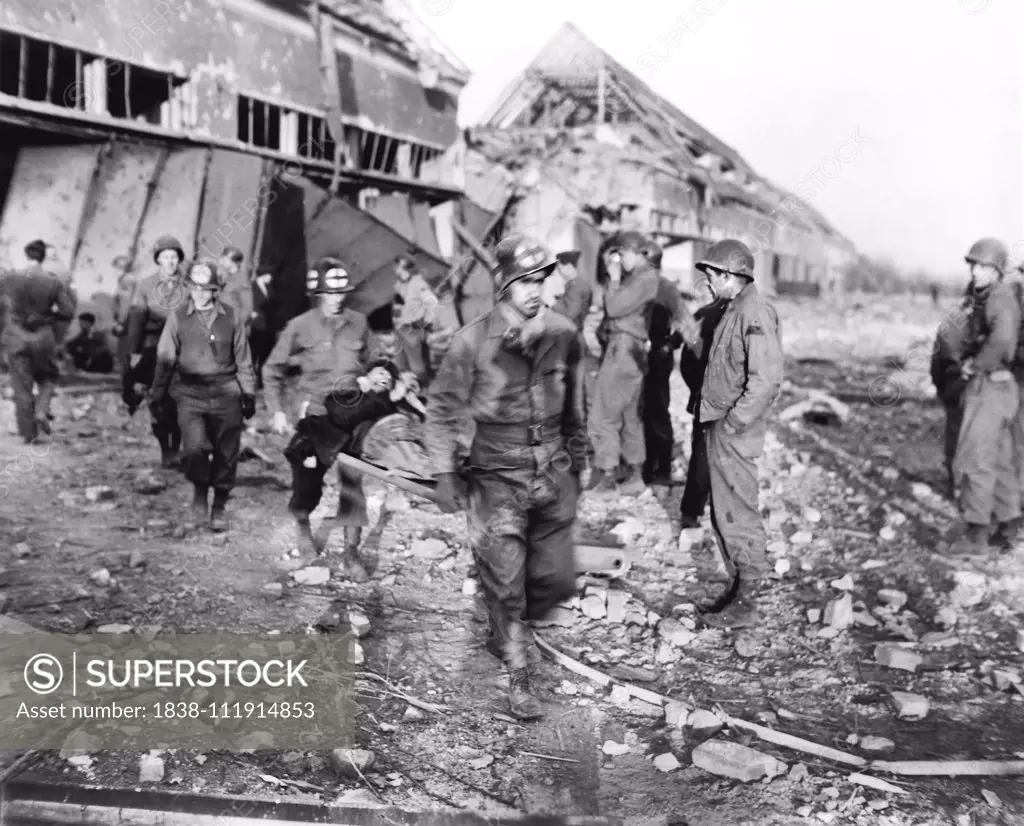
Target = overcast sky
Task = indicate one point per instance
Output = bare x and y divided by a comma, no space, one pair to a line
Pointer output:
931,87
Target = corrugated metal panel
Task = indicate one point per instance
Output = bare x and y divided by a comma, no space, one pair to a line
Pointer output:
409,219
475,218
369,247
230,203
425,236
174,205
396,104
46,199
117,203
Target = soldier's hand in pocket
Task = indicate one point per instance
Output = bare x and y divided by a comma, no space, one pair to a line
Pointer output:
248,406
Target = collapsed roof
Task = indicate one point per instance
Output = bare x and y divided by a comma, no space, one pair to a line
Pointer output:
558,105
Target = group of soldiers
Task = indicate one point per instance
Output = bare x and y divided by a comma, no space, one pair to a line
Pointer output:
977,367
510,417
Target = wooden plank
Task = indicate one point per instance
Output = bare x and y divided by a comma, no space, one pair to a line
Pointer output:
117,206
174,205
46,198
231,203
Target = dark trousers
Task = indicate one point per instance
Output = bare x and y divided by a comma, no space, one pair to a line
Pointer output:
698,477
32,363
102,363
735,514
954,419
210,420
166,428
659,439
308,482
521,532
261,343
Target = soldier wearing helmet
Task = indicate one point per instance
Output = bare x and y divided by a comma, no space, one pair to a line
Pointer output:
203,346
153,299
330,345
512,377
983,466
742,380
664,333
616,429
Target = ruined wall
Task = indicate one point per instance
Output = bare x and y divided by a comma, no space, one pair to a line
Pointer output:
230,51
46,199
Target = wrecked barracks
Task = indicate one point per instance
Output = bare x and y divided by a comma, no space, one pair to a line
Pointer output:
290,129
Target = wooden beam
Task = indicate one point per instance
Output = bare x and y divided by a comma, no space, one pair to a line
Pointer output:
51,56
22,65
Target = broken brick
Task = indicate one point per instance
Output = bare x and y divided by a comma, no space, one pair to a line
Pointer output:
738,762
895,656
910,706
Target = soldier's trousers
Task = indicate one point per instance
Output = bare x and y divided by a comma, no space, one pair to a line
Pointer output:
413,341
698,477
1018,443
521,532
210,421
32,363
659,440
954,418
984,467
616,430
166,428
735,514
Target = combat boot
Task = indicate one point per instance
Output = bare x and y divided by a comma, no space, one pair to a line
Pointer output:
601,481
740,613
351,566
974,541
633,484
218,519
199,511
522,701
1007,535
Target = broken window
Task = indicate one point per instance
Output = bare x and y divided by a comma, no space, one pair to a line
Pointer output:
45,72
289,131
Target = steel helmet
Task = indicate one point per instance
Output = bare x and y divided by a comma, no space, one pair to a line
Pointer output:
652,252
168,242
629,240
729,256
204,273
519,256
329,276
989,251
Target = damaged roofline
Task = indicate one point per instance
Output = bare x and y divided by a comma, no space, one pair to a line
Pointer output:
101,128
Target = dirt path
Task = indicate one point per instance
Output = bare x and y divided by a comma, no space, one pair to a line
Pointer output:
427,636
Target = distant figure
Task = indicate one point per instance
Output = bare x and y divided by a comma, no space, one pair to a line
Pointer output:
261,331
35,303
89,350
934,289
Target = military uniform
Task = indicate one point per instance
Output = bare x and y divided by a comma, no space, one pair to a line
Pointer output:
662,332
616,429
154,299
513,383
206,353
742,380
36,303
983,466
416,311
693,362
949,383
330,353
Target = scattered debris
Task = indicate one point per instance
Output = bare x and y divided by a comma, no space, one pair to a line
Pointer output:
613,749
738,762
893,655
666,762
100,493
893,598
877,745
429,548
315,575
481,762
839,612
910,706
845,583
352,762
151,768
704,723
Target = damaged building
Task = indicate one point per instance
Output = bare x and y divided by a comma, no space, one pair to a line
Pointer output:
285,128
577,147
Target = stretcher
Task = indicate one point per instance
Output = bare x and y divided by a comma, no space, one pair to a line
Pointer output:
599,558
